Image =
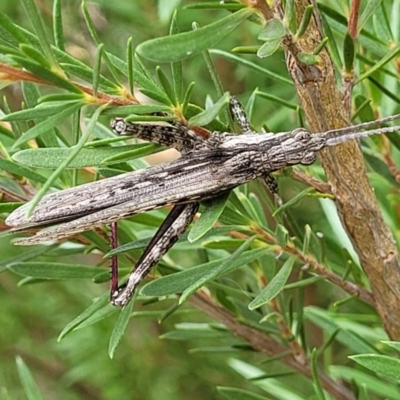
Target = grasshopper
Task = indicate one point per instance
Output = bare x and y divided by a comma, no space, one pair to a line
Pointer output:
207,168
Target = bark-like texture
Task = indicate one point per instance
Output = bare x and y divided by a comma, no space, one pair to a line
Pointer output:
344,166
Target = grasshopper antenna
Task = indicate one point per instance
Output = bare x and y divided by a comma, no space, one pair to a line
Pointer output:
336,136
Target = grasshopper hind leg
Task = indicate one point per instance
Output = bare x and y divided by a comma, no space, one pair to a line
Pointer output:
168,233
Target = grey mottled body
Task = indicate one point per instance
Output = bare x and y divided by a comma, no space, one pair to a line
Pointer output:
207,168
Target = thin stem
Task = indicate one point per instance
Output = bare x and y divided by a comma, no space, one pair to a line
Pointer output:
353,18
114,259
265,344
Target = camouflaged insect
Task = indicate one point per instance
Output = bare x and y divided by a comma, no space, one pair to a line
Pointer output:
207,168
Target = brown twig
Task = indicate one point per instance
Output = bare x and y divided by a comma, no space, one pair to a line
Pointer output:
263,7
353,18
265,344
320,269
318,185
8,73
344,166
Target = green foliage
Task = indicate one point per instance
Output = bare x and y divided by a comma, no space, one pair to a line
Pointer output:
272,270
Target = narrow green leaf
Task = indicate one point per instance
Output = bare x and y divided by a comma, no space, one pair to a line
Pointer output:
97,68
388,93
187,97
40,111
394,345
332,46
193,334
368,11
363,109
248,205
31,97
224,244
8,50
20,170
142,244
365,379
348,53
60,98
52,270
35,55
321,46
24,256
92,309
58,25
30,388
97,41
214,75
50,158
37,23
13,30
268,48
381,23
129,61
290,16
211,5
305,21
119,328
155,95
378,65
252,66
302,283
273,30
149,86
90,24
166,85
8,208
48,124
245,49
349,334
275,286
281,235
339,23
308,59
100,315
130,155
208,115
213,210
293,201
136,109
231,393
178,282
387,366
46,74
176,67
275,99
307,238
315,375
86,74
183,45
218,271
276,388
121,65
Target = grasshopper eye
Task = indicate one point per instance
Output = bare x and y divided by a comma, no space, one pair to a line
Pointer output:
302,135
118,125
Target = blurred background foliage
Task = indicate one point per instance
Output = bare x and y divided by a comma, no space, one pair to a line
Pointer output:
144,366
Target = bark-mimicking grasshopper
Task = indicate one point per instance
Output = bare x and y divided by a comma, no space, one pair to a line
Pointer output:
206,169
